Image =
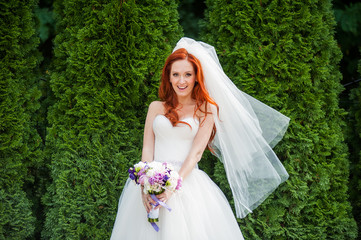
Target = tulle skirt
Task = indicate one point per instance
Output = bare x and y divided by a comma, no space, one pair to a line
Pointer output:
200,211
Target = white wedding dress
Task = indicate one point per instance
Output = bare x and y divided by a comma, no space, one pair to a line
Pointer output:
200,211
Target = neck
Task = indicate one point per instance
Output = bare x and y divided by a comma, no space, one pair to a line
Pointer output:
185,101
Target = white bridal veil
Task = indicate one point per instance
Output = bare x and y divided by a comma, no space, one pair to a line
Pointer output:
247,130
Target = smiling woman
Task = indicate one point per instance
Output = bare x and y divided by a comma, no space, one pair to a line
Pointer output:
178,129
182,78
187,91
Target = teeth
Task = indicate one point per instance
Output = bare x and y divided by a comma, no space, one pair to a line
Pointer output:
181,88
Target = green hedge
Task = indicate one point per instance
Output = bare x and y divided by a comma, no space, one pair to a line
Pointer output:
106,70
354,139
20,152
284,54
108,60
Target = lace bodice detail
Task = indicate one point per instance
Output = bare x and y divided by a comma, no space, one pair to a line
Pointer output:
172,144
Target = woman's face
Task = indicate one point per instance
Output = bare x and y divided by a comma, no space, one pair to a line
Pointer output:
182,78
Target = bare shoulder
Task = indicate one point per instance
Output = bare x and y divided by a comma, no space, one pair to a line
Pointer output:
204,109
156,107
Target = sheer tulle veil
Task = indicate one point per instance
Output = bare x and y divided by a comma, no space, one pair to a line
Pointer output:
247,130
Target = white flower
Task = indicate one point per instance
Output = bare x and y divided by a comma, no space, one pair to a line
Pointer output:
139,166
151,172
170,167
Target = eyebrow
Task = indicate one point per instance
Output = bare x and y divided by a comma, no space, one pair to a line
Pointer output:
185,71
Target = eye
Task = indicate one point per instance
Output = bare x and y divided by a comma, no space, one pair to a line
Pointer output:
175,74
188,74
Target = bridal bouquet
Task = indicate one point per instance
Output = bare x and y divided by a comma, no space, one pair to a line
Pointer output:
155,177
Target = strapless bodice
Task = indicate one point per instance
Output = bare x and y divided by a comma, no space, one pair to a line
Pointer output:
172,144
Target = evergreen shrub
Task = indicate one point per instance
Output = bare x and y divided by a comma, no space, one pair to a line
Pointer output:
107,68
284,54
20,152
354,140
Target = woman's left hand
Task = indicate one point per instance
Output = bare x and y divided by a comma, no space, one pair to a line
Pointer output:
164,197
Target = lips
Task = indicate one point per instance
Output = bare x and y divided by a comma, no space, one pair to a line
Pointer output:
182,88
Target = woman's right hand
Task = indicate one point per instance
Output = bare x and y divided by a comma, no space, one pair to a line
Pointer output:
147,201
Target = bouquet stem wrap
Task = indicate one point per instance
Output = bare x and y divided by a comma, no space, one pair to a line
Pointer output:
153,215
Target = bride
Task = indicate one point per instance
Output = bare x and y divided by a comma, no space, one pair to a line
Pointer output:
200,107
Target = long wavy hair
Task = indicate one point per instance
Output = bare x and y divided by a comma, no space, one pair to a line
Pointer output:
199,93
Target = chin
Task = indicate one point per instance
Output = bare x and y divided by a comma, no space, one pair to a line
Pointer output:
183,94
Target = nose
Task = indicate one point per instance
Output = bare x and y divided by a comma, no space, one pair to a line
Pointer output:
182,79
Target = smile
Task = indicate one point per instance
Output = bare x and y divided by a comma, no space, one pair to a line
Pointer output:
182,88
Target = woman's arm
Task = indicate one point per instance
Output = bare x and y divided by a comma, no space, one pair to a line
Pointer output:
154,109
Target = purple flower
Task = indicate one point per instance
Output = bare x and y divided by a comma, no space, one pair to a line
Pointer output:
165,178
151,181
141,172
131,172
132,176
158,177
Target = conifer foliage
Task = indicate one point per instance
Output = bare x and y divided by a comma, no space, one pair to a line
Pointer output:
354,140
284,54
19,141
108,60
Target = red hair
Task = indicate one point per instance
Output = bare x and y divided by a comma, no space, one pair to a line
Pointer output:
199,93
